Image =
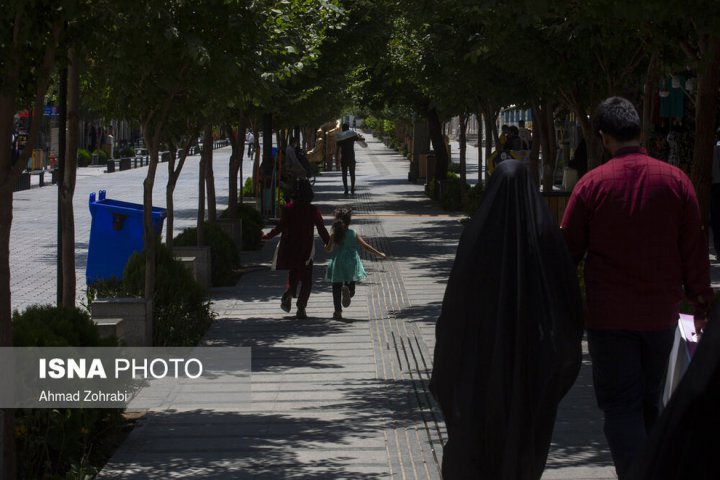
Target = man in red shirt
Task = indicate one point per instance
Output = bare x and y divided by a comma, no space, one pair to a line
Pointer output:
636,221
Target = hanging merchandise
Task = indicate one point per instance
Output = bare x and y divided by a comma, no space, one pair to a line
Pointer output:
672,105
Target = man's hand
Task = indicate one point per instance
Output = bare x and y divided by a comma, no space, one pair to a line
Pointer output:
700,317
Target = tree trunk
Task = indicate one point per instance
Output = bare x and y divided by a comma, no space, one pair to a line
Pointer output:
592,140
648,95
170,201
480,149
7,417
237,141
489,137
173,175
547,143
256,162
236,138
242,127
9,173
68,187
210,176
705,121
201,196
439,147
153,140
463,148
535,149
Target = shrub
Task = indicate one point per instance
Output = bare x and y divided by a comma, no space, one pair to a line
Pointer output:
48,326
372,123
414,172
51,443
452,193
102,156
473,199
83,157
430,188
127,152
223,251
252,225
181,312
389,127
247,190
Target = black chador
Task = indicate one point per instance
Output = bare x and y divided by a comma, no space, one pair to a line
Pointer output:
508,339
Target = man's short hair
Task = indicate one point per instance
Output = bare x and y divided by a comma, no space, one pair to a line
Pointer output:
617,117
521,123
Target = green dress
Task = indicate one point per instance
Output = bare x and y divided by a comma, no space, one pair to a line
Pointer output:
345,264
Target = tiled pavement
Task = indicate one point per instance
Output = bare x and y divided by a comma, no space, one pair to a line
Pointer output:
330,399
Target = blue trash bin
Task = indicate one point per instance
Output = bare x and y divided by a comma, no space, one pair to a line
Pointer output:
116,233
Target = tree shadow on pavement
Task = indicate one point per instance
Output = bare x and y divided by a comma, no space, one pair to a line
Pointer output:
266,337
223,445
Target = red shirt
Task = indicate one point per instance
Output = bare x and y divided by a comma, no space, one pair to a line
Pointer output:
638,220
297,223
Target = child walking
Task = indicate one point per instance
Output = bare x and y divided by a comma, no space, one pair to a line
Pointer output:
345,267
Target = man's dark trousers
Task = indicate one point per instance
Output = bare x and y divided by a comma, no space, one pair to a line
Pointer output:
629,370
345,167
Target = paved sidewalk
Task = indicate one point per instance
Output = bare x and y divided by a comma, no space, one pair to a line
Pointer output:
335,400
33,238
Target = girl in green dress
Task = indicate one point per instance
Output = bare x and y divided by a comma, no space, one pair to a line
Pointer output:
345,267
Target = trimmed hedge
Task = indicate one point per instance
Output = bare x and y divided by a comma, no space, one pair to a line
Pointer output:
83,157
473,199
62,442
252,225
223,251
181,312
50,326
102,156
452,193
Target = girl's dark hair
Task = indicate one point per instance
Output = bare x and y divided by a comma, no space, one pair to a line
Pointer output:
303,194
343,217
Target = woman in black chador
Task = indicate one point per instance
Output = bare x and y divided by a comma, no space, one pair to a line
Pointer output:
508,337
684,442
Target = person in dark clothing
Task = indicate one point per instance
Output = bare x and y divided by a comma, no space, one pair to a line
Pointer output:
297,245
683,443
513,141
508,339
346,149
579,160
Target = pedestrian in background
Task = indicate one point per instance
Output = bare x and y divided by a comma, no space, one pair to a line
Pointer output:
636,222
250,141
296,249
345,267
508,339
346,149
